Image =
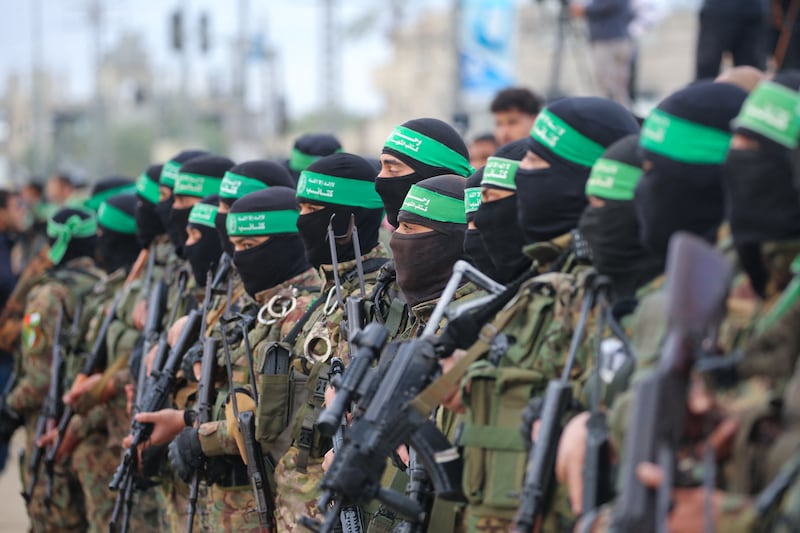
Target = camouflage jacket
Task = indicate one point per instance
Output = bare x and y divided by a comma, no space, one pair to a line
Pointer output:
289,302
64,286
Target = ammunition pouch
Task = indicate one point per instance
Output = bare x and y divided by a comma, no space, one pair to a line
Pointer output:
282,392
227,471
494,450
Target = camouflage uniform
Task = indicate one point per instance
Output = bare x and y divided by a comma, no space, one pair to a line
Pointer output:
61,287
299,470
11,322
529,351
231,501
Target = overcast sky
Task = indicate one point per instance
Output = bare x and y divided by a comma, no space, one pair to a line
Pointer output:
293,26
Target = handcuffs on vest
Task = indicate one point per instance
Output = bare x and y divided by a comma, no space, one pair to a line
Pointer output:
278,306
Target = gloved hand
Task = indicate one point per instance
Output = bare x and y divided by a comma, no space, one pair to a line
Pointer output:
185,454
10,420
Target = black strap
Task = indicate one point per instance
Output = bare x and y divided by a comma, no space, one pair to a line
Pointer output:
295,331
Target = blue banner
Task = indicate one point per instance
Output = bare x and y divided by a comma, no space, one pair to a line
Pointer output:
486,46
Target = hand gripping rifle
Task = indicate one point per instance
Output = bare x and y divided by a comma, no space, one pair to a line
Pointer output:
50,410
697,286
385,416
157,391
254,458
95,361
205,388
557,400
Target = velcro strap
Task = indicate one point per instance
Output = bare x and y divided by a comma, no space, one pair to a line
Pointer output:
491,438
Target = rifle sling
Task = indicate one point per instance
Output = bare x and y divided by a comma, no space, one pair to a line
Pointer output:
298,327
427,400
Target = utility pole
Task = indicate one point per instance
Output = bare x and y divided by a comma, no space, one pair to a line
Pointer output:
36,89
460,116
330,65
99,146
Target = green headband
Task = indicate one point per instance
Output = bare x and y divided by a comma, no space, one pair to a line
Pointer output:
613,180
772,111
314,186
234,186
299,160
115,219
262,223
500,172
94,202
73,227
203,215
148,189
196,185
472,199
169,174
683,140
434,206
427,150
564,140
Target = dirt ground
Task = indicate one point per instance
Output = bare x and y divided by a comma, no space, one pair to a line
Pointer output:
13,518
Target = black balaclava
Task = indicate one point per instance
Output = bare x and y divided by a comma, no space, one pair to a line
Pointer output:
77,246
612,230
760,203
321,184
424,163
424,261
307,149
570,134
685,140
243,179
497,221
169,172
474,249
282,256
208,166
204,254
149,225
117,245
107,187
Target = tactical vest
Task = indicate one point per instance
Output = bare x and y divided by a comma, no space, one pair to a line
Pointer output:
529,352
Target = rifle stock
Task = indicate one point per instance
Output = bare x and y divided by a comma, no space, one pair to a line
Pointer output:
557,400
697,284
157,392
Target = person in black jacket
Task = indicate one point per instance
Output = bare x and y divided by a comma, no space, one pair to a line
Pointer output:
734,26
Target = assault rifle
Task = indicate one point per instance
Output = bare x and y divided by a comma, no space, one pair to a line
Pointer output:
95,361
51,411
205,405
254,458
384,416
159,385
697,286
557,400
204,391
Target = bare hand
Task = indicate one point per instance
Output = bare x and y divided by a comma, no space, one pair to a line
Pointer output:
175,330
328,460
81,386
139,314
167,423
689,504
571,458
402,452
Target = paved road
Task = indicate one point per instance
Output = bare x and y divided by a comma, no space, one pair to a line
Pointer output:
13,518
